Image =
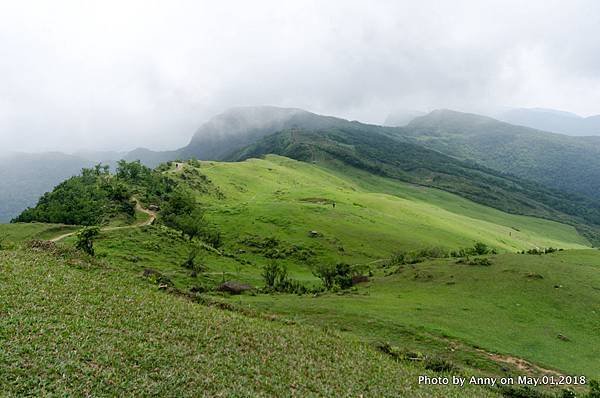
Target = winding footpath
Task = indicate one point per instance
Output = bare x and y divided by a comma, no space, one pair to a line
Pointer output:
151,217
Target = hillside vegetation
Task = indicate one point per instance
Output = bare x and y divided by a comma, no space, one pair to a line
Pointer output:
545,309
304,217
74,328
289,198
98,197
373,149
571,164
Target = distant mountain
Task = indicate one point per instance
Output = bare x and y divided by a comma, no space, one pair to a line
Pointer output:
402,117
239,127
151,158
553,121
234,129
25,177
571,164
105,157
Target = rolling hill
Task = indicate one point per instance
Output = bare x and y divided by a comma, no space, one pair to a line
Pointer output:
383,151
400,153
571,164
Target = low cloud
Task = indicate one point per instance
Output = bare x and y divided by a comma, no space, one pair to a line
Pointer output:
117,75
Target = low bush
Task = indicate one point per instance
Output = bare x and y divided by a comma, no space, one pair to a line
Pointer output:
85,239
537,251
276,279
475,261
478,249
191,263
338,276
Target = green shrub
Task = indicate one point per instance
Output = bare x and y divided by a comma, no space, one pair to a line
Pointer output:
270,273
594,389
85,239
191,263
276,279
478,249
338,276
475,261
537,251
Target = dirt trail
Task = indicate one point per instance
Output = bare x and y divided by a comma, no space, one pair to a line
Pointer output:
138,207
521,364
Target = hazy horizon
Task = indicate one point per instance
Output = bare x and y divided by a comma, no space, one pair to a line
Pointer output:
120,75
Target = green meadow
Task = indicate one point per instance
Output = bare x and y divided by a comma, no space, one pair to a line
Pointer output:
73,327
545,309
372,217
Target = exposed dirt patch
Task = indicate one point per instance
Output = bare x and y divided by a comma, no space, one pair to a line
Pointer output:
521,364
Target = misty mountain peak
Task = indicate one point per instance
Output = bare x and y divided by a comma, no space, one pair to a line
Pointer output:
235,120
241,126
451,120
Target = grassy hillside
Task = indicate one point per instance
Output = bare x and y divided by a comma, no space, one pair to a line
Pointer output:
374,217
373,150
290,198
90,330
502,316
520,305
242,133
265,210
568,163
17,233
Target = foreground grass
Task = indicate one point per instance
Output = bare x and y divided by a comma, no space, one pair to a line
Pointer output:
70,329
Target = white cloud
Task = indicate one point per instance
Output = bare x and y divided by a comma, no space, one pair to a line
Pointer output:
121,74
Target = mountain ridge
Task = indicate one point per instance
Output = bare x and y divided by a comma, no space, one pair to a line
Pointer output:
559,161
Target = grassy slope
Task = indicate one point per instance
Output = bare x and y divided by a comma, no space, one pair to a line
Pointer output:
264,198
269,197
503,307
69,330
24,231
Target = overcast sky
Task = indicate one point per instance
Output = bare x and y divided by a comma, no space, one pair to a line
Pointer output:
122,74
